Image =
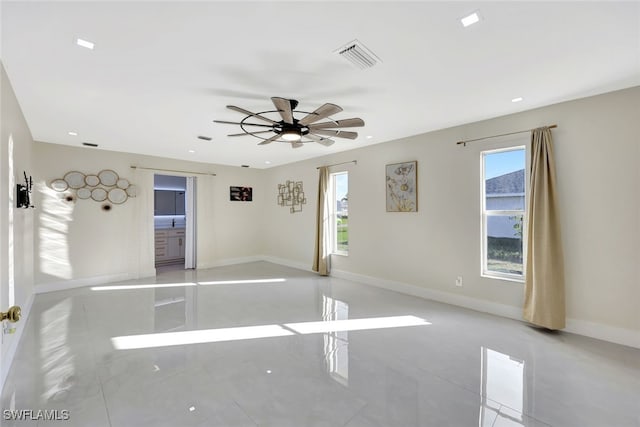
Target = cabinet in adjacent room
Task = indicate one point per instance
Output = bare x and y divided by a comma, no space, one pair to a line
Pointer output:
170,244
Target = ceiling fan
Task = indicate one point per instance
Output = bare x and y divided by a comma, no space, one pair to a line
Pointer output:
292,130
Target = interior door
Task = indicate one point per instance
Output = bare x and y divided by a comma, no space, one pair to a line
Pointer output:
190,224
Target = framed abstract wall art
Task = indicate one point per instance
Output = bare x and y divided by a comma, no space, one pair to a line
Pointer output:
402,187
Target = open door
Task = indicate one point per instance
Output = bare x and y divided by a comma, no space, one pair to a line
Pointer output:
190,226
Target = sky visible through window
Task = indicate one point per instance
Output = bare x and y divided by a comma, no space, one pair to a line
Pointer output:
342,186
497,164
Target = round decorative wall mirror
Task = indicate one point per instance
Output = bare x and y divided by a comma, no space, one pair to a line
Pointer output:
92,180
132,191
83,193
99,194
122,183
108,177
59,184
117,196
74,179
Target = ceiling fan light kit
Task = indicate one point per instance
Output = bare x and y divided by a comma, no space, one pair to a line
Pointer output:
291,130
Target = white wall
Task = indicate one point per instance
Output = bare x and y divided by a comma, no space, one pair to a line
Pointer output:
16,225
597,155
79,243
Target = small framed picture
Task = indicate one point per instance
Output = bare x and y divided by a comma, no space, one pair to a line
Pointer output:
240,194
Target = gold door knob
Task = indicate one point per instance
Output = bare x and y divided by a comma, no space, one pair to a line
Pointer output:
12,315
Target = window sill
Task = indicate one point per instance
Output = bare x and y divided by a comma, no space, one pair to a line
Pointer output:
505,278
345,254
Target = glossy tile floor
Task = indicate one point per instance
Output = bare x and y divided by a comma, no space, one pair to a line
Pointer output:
265,345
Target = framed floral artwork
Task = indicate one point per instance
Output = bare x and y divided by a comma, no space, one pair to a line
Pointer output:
402,187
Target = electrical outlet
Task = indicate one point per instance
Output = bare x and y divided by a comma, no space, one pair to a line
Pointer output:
459,281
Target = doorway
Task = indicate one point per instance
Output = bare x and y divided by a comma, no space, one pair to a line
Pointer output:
174,222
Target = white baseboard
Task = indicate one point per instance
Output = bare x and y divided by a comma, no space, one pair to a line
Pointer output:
85,281
623,336
599,331
7,358
484,306
230,261
287,263
613,334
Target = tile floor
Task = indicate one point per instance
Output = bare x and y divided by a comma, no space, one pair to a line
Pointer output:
289,348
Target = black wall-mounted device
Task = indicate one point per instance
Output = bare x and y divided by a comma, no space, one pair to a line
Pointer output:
23,195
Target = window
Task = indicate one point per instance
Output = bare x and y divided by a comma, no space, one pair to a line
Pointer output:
339,193
503,210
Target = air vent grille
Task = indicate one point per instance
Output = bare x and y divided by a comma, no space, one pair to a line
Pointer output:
358,54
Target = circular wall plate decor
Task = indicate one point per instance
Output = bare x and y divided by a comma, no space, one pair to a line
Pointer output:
74,179
59,184
99,194
83,193
108,177
91,180
117,196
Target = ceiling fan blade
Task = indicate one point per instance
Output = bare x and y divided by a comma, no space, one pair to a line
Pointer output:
320,140
346,123
270,140
296,144
336,133
243,124
284,107
321,112
250,133
249,113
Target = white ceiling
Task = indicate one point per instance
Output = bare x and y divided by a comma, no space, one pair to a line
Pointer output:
161,72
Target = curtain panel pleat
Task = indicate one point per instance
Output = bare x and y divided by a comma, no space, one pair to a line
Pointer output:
544,303
321,257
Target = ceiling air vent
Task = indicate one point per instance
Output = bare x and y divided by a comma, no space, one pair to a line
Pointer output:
358,54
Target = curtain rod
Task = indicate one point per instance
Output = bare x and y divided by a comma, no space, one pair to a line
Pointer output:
172,170
503,134
338,164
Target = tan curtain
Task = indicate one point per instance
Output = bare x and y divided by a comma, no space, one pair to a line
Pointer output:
321,257
544,303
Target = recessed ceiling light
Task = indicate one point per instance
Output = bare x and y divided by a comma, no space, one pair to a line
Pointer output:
268,371
192,408
267,162
470,19
518,99
192,151
85,43
369,136
73,133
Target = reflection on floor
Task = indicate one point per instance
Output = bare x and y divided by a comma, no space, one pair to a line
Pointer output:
265,345
163,268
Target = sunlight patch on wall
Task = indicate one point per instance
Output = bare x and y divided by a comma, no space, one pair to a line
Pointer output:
53,251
